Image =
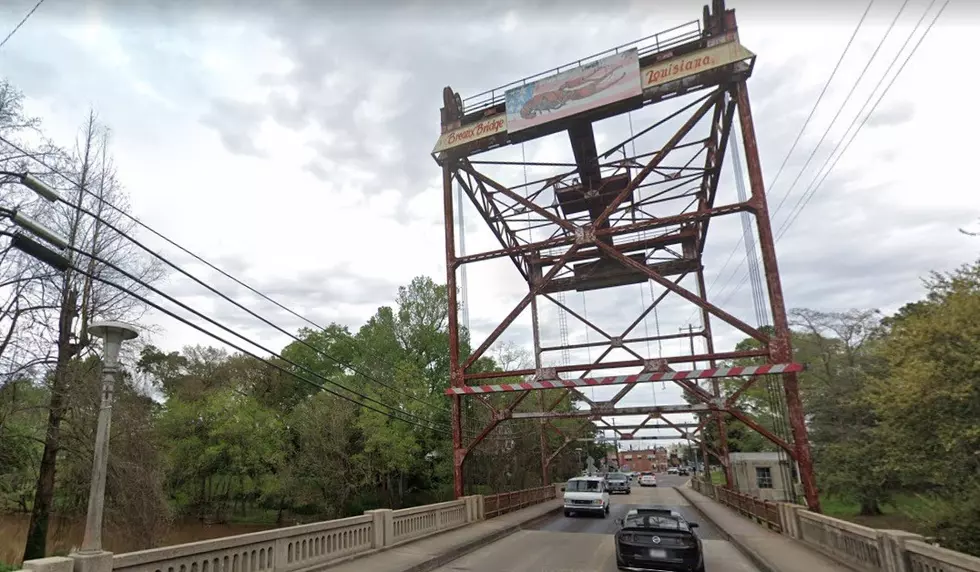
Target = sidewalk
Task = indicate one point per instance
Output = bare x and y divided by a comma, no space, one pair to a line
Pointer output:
770,551
435,551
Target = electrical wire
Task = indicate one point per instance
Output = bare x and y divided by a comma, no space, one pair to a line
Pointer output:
21,23
185,321
227,329
799,135
808,193
200,282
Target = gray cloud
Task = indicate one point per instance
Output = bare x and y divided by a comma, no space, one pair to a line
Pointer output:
895,114
236,124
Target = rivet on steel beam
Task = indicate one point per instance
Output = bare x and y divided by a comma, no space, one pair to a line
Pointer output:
545,374
585,234
655,365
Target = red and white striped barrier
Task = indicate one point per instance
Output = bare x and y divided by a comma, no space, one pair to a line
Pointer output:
623,379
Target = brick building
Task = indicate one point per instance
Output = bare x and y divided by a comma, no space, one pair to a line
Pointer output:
640,460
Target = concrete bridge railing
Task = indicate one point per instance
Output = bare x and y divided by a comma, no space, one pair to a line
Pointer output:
312,546
859,547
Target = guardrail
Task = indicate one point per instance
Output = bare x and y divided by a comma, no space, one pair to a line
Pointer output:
318,545
858,547
762,511
496,505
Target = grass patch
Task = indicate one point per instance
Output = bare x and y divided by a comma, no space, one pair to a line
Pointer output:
898,514
4,567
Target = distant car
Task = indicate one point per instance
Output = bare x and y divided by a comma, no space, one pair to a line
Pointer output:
586,494
648,480
682,471
658,538
672,471
618,483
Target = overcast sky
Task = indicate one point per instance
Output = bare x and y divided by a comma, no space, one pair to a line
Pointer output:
290,146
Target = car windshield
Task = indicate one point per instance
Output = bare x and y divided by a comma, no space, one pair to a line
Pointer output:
616,477
583,486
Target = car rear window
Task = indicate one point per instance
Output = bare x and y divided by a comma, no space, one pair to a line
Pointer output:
616,477
654,521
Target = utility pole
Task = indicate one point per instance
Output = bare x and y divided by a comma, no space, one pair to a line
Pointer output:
690,330
114,334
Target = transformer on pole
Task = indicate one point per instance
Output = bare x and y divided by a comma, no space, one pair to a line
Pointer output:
612,218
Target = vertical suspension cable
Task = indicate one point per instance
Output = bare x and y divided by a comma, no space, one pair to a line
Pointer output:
643,235
776,401
464,287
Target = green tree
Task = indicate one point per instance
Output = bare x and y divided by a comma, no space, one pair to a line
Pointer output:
928,403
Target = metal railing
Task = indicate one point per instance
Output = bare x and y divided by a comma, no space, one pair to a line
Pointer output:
496,505
655,43
858,547
760,510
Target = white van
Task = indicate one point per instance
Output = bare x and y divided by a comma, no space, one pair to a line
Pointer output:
586,494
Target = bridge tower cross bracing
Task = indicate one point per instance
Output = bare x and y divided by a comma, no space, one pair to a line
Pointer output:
609,219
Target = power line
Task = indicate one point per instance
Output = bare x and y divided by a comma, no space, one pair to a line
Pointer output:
214,322
21,23
799,136
197,280
808,193
185,321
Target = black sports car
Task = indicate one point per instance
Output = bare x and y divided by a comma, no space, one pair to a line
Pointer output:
658,538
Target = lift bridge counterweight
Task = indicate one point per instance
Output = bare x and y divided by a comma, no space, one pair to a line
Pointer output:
594,230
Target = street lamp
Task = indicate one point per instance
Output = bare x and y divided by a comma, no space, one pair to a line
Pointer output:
114,334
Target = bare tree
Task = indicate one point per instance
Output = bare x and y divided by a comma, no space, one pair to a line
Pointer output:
79,298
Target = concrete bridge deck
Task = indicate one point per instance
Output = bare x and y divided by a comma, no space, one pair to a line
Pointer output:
541,538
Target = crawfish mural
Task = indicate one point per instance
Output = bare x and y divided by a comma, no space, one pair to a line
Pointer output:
593,81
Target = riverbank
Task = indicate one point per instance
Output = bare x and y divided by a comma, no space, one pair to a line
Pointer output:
65,534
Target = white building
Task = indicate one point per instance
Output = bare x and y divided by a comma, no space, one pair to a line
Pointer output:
765,475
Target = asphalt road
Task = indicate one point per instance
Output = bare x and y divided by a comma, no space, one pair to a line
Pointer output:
663,494
586,543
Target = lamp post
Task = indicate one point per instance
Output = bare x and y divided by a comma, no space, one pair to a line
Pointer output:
114,334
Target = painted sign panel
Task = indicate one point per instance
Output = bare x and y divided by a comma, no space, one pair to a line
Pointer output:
693,63
571,92
469,133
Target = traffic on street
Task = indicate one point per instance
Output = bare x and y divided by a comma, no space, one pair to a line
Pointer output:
587,543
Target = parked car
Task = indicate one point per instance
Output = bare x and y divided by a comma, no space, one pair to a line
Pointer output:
586,495
618,483
682,471
658,538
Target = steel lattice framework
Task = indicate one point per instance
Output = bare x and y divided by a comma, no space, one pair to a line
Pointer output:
594,230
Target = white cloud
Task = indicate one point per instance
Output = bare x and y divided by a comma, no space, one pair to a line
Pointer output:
333,122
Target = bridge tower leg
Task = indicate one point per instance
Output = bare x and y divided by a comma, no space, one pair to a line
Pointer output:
455,371
779,346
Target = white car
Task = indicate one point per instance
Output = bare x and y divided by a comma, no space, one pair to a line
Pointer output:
586,494
648,480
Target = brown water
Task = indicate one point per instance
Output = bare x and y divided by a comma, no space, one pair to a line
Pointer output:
64,534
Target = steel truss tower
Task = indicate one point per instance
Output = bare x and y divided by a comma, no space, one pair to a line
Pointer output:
594,230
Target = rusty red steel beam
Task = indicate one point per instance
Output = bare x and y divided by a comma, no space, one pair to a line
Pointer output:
676,138
663,338
535,290
685,293
600,411
519,199
505,236
720,356
780,347
715,372
659,222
